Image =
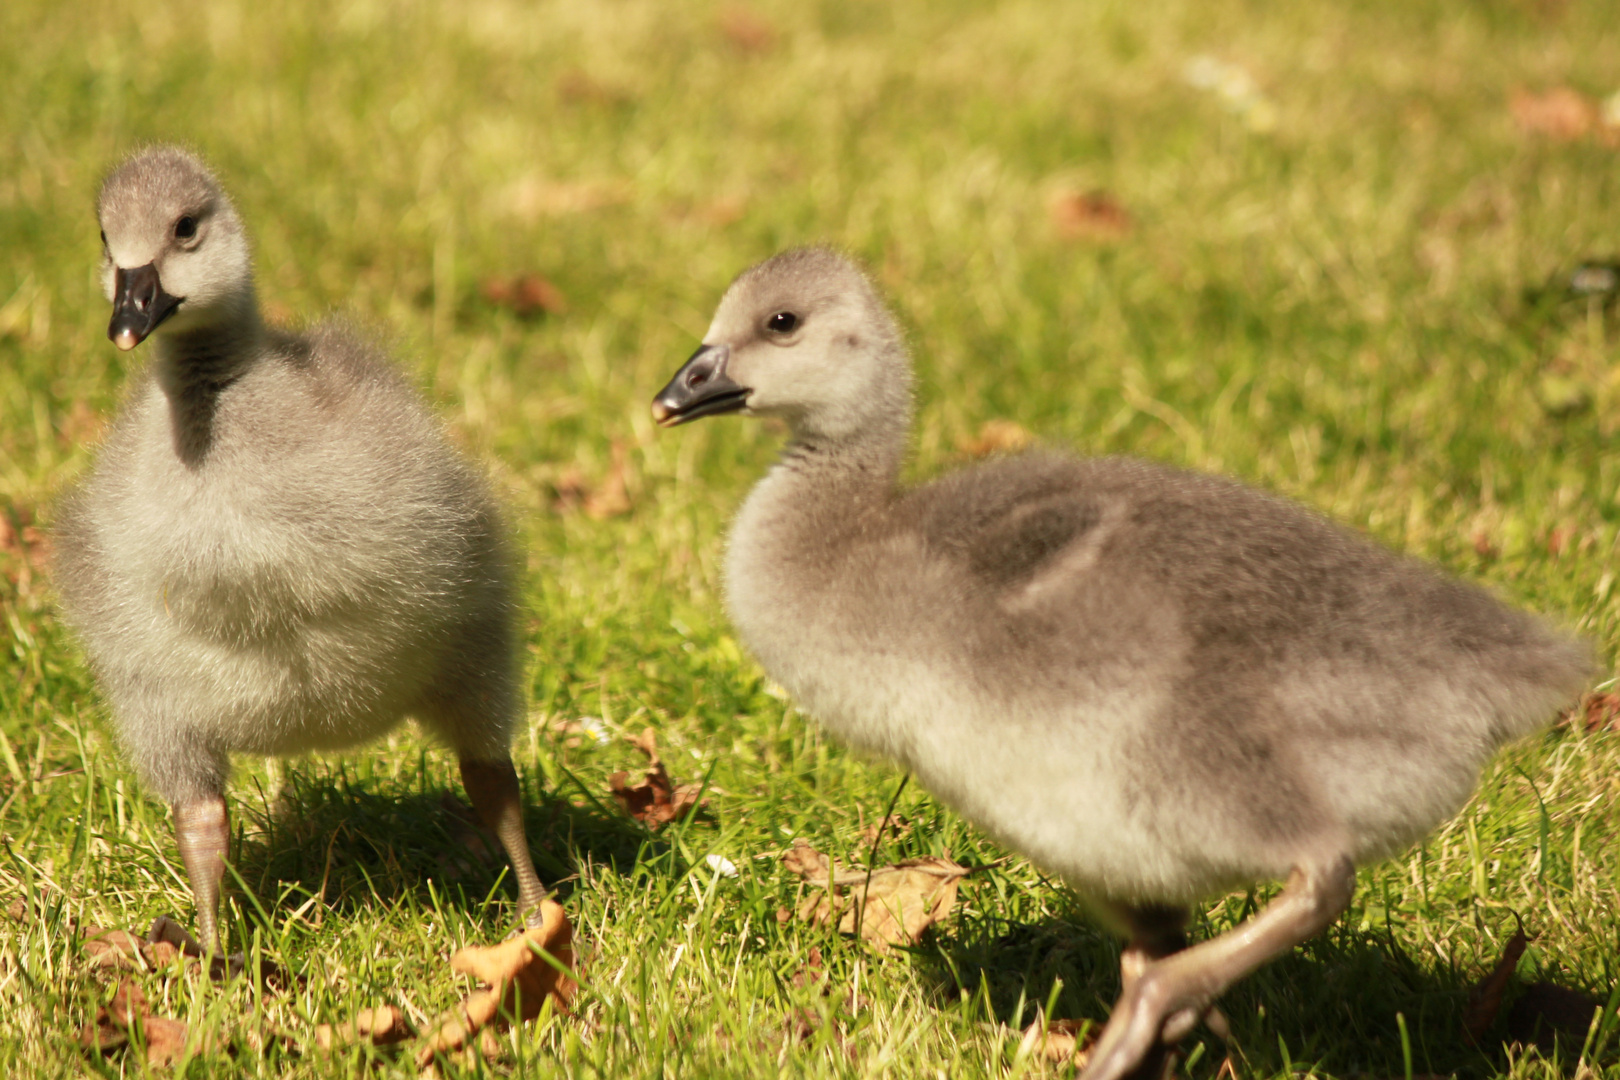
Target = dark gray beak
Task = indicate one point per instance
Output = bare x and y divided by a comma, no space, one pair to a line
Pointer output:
139,305
700,388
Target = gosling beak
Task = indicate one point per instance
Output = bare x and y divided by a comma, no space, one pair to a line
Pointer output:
700,388
139,305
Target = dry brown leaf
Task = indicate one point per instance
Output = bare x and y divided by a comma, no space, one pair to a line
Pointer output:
382,1026
1547,1013
1058,1041
746,31
1485,999
117,949
812,972
1598,711
891,905
1560,113
655,799
893,826
525,295
577,85
82,426
807,862
997,437
164,1039
25,548
609,498
122,950
1089,215
519,983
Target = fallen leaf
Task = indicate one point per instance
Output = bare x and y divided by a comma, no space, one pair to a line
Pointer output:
746,31
1560,113
519,983
82,425
807,862
722,211
655,799
600,501
525,295
1599,711
382,1026
24,547
1485,999
1089,215
164,1039
1546,1014
894,826
575,85
890,905
1483,546
997,437
117,949
1058,1041
812,972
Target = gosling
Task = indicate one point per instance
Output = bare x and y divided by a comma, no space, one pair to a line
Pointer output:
1157,684
276,550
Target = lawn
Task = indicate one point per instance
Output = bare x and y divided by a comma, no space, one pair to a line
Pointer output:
1323,247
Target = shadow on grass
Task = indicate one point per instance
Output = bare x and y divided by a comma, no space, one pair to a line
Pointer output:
1336,1005
361,842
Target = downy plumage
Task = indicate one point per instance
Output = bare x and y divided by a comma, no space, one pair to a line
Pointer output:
1155,683
276,550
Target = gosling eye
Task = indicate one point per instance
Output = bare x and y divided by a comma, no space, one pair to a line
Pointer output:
185,228
783,322
104,239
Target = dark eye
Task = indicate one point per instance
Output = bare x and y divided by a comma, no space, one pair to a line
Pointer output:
783,322
103,237
185,228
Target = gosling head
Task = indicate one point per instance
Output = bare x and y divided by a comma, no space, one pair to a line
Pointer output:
803,336
173,251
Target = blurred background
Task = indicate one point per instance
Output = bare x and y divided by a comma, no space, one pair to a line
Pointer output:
1362,254
1323,246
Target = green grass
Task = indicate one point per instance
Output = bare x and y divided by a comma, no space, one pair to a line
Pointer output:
1339,308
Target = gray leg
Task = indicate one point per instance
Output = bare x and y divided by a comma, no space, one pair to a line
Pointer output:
1167,997
202,828
1157,931
493,788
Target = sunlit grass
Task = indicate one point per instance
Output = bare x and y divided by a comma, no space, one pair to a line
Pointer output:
1335,298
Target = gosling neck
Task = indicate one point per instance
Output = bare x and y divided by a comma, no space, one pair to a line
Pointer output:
855,471
193,367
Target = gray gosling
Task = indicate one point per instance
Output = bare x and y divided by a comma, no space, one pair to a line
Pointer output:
1156,684
276,551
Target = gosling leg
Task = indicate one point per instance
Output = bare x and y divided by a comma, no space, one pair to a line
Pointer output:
1167,997
492,786
202,828
1157,931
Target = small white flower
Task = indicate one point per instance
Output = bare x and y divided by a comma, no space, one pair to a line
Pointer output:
1235,87
597,730
721,865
